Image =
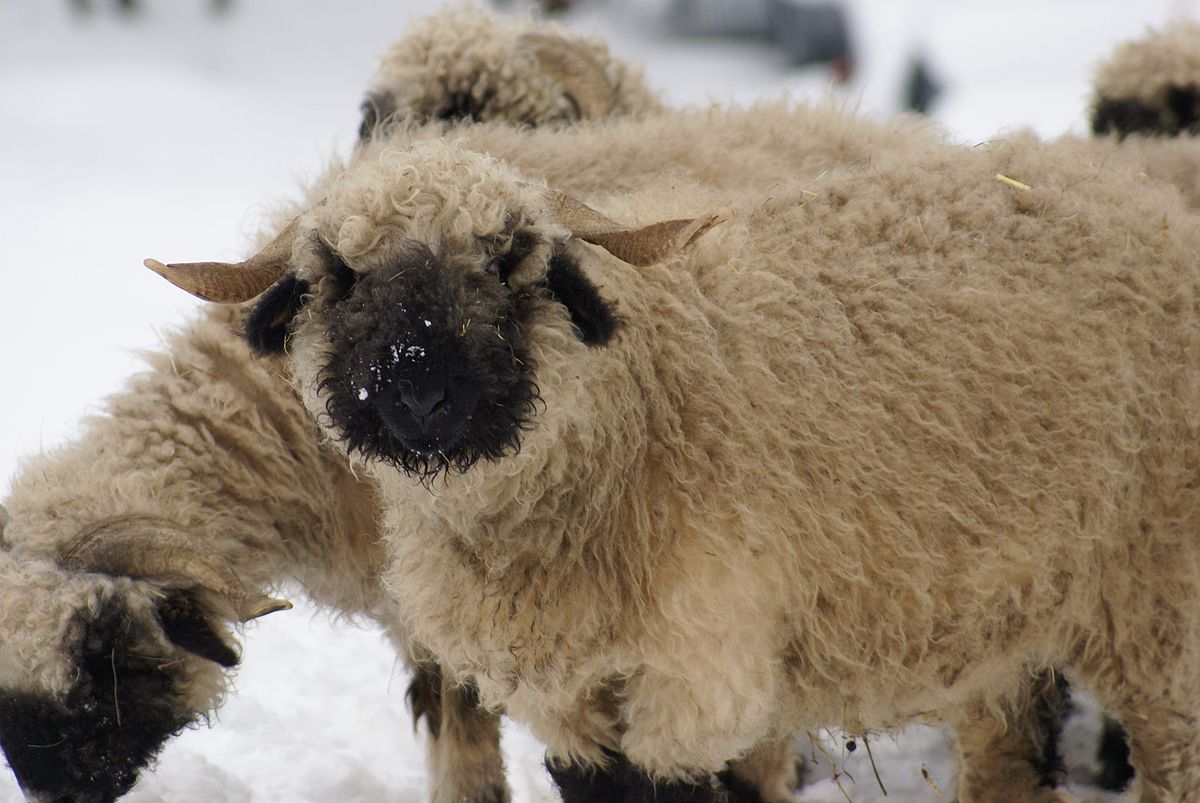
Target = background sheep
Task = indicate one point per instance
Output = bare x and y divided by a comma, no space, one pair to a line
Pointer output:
204,480
846,294
471,63
1151,85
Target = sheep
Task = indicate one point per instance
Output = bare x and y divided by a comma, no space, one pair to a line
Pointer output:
469,62
904,435
337,568
1150,85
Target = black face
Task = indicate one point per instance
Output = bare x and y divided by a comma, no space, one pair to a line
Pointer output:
1178,113
429,369
90,747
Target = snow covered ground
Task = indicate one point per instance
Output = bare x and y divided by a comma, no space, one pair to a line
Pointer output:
171,133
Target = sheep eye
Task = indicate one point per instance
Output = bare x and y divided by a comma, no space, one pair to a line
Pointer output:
498,266
502,265
344,278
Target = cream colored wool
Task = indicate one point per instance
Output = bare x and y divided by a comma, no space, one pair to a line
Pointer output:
216,443
472,56
1145,68
254,490
891,440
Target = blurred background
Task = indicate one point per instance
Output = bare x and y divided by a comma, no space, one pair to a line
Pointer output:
169,128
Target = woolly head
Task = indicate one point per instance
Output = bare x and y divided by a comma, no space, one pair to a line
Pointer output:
470,63
98,670
411,300
1151,85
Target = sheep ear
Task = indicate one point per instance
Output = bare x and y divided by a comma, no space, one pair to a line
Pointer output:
187,625
592,315
640,246
268,325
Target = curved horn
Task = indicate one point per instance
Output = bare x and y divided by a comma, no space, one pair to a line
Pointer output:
145,546
641,246
579,73
233,282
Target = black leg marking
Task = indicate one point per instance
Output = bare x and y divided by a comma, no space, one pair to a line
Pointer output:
622,782
1050,708
425,697
1113,754
738,790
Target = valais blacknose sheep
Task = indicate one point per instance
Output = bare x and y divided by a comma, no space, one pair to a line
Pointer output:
470,63
856,446
204,479
1150,85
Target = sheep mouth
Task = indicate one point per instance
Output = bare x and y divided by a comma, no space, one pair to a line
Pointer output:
469,415
487,434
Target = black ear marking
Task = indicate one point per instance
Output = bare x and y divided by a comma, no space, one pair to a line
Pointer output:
591,314
267,325
377,109
186,626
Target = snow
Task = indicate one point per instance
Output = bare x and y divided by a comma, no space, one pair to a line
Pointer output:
172,134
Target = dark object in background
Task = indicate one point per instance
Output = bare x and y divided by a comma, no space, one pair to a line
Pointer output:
131,6
812,33
719,17
808,32
546,6
920,88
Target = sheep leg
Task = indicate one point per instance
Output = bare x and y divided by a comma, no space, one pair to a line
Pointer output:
1164,749
769,773
465,763
1012,754
620,781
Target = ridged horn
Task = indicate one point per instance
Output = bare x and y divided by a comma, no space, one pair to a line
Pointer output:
580,75
640,246
148,547
232,282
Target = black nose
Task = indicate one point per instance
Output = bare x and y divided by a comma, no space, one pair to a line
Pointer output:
424,398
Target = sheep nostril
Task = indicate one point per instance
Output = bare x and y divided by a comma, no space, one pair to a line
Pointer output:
423,401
